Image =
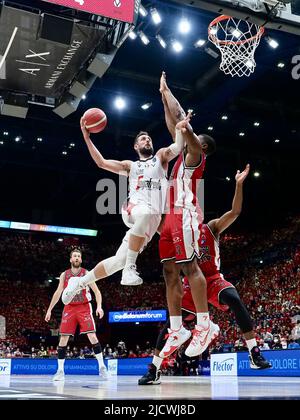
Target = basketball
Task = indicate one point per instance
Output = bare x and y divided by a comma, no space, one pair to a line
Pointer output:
95,120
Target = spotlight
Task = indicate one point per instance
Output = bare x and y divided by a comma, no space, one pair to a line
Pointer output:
242,134
1,142
39,139
250,64
272,42
177,46
64,153
146,106
143,11
256,124
144,38
155,16
5,133
83,97
161,41
256,174
224,117
261,261
210,128
277,141
200,43
227,178
281,65
17,139
132,35
120,103
184,26
236,33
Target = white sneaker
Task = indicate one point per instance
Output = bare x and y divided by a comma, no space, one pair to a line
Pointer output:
130,277
103,373
174,341
59,376
201,339
71,290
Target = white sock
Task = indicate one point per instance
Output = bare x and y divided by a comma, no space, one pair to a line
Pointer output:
131,258
61,364
99,357
87,279
175,322
157,361
251,343
203,319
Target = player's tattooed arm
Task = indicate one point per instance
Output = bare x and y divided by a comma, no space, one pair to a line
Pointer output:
115,166
174,112
219,225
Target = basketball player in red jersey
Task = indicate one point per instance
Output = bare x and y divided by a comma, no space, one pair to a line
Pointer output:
78,312
179,250
220,293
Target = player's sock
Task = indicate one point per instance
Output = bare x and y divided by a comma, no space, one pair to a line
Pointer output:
251,344
175,322
157,361
131,258
61,352
203,319
98,354
88,279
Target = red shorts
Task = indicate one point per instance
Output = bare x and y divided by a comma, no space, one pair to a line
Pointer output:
215,285
74,315
179,236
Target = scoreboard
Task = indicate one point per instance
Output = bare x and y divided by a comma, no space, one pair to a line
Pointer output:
123,10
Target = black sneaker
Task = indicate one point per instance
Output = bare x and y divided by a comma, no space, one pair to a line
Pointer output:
257,361
152,377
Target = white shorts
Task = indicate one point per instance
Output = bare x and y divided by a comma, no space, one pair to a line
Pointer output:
130,214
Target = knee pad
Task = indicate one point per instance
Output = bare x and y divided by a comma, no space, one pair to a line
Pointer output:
114,264
141,225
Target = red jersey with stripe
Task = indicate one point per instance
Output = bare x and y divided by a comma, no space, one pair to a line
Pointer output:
209,252
84,296
210,265
184,184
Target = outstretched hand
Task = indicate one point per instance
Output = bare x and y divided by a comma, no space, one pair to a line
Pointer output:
241,176
163,83
182,125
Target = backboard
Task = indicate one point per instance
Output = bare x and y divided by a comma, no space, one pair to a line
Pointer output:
281,15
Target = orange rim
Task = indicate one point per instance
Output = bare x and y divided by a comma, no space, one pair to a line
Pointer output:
217,41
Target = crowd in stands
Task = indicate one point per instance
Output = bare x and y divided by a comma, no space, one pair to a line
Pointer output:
270,289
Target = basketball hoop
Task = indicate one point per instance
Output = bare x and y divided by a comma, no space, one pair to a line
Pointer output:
237,40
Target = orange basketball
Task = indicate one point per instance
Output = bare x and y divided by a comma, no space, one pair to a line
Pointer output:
95,120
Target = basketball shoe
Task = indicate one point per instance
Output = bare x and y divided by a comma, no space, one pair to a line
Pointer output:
74,286
59,376
175,339
130,277
201,339
152,377
257,361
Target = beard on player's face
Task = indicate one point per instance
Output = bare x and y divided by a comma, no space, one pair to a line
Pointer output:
146,151
76,264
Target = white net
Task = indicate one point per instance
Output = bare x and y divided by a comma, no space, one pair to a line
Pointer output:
237,41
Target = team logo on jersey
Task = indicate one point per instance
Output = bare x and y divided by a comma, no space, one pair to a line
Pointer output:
178,250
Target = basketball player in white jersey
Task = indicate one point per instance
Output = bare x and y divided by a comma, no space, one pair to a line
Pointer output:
77,312
143,212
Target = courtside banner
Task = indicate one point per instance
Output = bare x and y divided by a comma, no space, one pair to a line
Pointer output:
223,364
284,363
124,10
5,367
138,316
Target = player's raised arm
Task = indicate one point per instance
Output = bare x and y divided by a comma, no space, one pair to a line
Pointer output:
56,297
219,225
173,110
115,166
